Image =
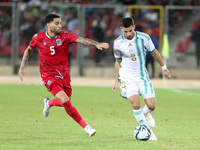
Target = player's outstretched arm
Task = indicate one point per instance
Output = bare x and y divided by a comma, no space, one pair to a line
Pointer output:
26,55
158,58
89,42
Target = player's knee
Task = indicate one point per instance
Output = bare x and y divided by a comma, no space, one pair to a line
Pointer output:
136,105
62,97
152,107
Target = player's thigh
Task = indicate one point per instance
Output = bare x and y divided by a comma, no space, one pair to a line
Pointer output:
67,85
62,96
135,101
56,87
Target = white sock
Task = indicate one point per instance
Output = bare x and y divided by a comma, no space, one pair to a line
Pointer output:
146,110
139,116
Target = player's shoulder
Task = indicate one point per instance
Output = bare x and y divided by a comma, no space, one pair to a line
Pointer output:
64,32
67,34
39,35
142,35
119,39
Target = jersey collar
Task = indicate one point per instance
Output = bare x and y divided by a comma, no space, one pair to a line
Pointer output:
51,37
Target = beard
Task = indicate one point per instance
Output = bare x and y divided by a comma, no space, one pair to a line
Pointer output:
56,32
129,37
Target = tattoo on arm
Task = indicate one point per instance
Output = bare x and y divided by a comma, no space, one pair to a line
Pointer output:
26,55
87,42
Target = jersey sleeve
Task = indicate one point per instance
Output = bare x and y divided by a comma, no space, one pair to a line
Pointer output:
33,42
71,37
150,46
117,53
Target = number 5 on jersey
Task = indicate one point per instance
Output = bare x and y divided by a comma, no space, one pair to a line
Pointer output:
52,50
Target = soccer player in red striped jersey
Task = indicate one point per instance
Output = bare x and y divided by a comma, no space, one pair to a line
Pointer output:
53,47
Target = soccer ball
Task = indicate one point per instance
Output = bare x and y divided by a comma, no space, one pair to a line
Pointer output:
142,133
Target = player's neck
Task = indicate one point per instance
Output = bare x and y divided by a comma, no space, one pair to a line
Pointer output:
51,34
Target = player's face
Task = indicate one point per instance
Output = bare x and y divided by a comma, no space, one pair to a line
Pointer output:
55,26
128,32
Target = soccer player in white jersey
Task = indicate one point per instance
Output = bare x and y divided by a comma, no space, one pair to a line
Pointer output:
130,50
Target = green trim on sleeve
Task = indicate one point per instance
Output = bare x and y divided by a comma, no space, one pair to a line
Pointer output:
118,58
153,50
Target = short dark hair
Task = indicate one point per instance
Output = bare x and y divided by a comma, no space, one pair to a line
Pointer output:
50,18
127,22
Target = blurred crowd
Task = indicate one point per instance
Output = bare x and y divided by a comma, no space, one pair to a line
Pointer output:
111,2
102,24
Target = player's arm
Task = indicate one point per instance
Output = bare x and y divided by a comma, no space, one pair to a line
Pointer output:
89,42
26,55
158,58
117,66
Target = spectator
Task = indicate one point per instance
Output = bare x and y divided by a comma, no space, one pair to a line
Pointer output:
152,18
72,22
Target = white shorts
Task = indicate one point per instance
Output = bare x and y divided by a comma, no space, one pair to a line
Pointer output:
130,86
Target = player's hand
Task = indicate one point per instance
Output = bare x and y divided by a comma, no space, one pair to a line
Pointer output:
21,74
115,86
166,74
100,46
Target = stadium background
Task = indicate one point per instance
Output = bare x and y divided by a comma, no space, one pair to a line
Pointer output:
22,125
100,20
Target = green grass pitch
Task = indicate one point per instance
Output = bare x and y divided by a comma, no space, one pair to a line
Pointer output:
23,127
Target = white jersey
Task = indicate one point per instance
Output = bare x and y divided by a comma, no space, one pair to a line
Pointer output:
133,53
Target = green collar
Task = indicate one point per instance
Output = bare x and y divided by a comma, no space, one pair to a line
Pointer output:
50,36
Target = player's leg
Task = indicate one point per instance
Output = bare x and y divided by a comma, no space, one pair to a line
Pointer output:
72,112
50,82
54,88
132,94
48,103
53,102
148,94
137,110
148,108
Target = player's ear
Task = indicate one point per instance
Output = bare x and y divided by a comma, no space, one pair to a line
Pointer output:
121,28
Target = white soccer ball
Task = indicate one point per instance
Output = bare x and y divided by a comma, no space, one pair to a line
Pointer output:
142,133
